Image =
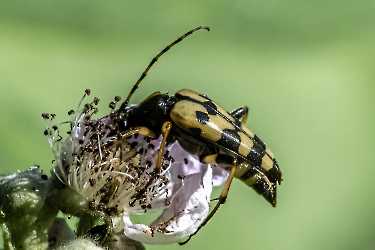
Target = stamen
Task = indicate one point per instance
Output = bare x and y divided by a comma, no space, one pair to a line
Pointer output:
100,150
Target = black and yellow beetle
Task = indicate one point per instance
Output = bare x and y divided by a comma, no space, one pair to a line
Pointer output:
204,129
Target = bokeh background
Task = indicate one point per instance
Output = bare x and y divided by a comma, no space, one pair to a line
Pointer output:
304,68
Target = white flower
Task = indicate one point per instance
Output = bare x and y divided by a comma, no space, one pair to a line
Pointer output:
109,176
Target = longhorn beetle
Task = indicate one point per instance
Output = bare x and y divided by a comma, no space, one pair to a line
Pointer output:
204,129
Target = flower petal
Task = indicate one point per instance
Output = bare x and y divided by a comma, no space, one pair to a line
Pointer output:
188,209
219,175
186,164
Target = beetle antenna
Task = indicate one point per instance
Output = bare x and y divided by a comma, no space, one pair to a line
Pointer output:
125,104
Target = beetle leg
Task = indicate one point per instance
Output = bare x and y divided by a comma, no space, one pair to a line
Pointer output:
116,140
222,198
240,113
140,130
166,128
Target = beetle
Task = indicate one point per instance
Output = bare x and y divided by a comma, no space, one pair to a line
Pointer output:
203,129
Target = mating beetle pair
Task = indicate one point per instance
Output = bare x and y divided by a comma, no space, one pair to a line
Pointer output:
204,129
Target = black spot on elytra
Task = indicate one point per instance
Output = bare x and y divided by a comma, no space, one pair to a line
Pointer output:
210,107
230,139
256,154
202,117
274,174
258,141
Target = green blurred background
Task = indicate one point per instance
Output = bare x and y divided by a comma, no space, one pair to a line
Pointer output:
304,68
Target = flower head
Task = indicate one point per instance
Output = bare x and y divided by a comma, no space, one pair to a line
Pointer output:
110,173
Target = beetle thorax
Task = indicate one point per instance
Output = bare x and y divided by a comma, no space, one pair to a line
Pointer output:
152,112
